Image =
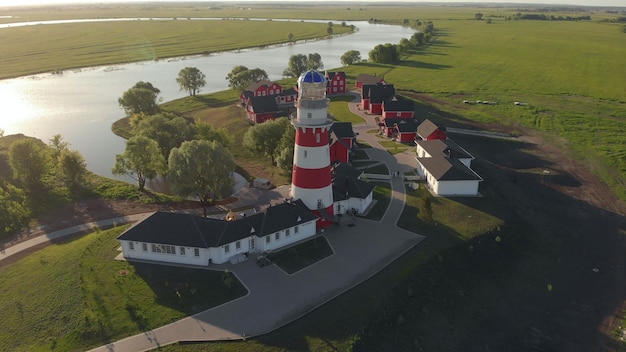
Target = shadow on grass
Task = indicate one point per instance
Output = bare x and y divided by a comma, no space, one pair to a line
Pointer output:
298,257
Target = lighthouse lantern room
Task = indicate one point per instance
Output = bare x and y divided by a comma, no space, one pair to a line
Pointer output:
311,178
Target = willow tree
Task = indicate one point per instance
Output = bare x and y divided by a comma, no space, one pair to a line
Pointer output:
201,169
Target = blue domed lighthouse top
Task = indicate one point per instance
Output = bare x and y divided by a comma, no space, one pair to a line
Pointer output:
312,76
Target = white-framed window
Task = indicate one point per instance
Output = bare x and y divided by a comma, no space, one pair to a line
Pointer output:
226,248
287,233
318,138
182,250
263,93
252,243
238,245
196,252
268,239
163,248
144,246
271,91
305,153
295,230
277,236
131,246
399,114
309,115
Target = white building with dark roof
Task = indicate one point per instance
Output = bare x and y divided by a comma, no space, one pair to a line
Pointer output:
189,239
446,168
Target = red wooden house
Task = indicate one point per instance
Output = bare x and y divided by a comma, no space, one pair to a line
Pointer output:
287,97
365,79
263,108
405,130
336,83
427,130
261,89
398,107
341,142
373,97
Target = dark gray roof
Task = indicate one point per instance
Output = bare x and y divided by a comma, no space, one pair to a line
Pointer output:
255,85
344,169
445,148
444,169
264,104
378,93
390,122
398,104
287,92
345,187
406,125
193,231
342,129
426,128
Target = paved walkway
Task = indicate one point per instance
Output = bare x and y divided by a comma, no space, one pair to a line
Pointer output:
359,253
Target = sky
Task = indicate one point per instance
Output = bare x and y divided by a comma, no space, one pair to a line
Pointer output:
620,3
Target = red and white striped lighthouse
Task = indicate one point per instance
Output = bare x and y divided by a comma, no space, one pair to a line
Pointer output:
311,180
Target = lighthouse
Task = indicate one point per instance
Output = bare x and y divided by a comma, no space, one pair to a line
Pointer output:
311,180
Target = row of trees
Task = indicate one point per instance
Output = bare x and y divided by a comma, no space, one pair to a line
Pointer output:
35,169
390,53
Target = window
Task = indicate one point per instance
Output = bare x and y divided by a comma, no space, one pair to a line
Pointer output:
268,239
305,153
277,236
131,246
163,248
182,250
317,137
309,115
238,245
226,248
196,252
252,243
271,91
287,233
295,230
144,246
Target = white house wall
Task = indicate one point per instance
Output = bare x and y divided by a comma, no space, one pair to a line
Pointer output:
189,258
304,231
456,188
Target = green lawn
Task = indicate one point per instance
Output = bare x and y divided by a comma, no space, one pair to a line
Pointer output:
340,111
393,147
382,196
73,295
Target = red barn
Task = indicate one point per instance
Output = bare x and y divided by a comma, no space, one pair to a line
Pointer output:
398,107
342,140
376,95
263,108
365,79
336,83
427,130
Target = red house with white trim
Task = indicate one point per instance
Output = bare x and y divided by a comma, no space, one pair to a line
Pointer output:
428,130
373,97
336,83
398,107
262,108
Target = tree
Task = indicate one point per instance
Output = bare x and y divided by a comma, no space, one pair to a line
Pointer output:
285,148
1,133
404,45
141,98
73,167
329,30
14,212
29,161
478,16
290,37
297,65
623,29
264,138
58,144
205,131
314,62
384,54
417,39
191,80
202,169
141,160
350,57
241,77
167,129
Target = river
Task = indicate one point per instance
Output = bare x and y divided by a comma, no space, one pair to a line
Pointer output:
82,104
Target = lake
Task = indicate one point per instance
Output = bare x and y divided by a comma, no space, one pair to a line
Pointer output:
82,104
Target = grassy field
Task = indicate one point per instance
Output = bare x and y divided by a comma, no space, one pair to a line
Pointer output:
93,299
76,45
